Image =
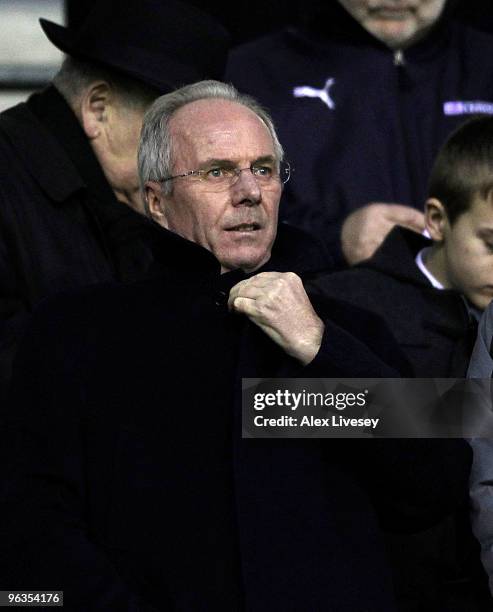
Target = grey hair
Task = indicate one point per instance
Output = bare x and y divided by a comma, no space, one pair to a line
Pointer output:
155,151
76,75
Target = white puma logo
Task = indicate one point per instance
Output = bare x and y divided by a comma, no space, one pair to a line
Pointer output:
310,92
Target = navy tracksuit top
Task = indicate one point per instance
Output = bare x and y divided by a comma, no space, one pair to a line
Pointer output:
360,122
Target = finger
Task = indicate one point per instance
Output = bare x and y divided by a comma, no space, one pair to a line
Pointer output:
235,291
262,281
259,280
245,306
415,222
253,292
261,295
266,275
414,228
406,216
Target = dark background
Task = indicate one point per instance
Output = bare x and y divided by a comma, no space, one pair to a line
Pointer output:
247,19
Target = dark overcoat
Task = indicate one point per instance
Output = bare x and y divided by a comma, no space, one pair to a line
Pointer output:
61,226
130,486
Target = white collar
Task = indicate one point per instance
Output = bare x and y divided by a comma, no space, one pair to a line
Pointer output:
421,265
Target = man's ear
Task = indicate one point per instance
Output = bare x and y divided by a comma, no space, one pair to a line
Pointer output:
436,219
155,202
94,106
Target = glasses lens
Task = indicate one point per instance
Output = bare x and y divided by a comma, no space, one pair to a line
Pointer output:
220,179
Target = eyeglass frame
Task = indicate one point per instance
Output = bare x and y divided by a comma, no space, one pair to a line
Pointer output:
237,172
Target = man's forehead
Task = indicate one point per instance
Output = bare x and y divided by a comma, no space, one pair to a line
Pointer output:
210,108
373,4
222,125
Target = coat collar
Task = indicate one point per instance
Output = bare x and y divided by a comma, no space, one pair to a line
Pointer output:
396,256
450,313
45,127
294,251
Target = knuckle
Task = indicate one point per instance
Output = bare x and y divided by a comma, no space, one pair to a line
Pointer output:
295,279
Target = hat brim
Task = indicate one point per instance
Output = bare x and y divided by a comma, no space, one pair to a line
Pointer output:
59,35
175,73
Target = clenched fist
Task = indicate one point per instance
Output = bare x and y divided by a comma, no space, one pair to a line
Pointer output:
278,304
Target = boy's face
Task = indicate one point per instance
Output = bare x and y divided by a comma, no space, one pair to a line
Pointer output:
466,258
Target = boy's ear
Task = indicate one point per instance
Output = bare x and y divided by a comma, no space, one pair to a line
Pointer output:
155,204
436,219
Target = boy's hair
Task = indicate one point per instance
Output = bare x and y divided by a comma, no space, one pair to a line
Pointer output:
463,168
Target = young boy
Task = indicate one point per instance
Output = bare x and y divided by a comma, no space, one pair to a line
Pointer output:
430,292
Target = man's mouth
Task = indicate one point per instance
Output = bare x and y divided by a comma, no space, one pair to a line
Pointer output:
385,12
244,227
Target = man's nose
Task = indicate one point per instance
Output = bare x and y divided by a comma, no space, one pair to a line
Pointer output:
246,189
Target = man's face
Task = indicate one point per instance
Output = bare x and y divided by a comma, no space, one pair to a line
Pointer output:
468,253
397,23
237,224
119,156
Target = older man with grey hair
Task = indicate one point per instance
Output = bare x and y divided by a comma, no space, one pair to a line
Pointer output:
130,486
212,171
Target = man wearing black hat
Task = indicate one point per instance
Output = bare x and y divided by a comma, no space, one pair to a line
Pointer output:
68,155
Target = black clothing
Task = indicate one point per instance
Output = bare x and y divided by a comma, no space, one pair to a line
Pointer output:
163,46
433,327
375,137
438,569
61,226
133,489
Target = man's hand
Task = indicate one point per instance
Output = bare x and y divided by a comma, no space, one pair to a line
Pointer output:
365,229
278,304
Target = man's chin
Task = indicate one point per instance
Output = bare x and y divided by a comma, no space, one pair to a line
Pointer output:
247,261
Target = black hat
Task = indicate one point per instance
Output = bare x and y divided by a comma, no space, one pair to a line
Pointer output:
163,43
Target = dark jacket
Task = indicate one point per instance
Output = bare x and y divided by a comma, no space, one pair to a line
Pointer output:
391,111
433,327
481,366
131,488
61,226
438,569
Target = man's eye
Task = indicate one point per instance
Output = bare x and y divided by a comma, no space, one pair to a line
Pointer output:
262,171
217,173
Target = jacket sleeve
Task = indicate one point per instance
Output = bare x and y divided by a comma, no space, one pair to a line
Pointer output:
356,344
481,491
46,543
481,364
481,481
